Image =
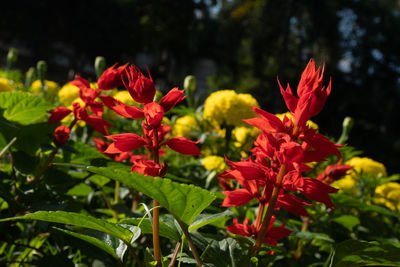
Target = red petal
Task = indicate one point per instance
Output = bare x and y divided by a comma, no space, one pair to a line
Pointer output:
267,123
58,114
173,97
124,142
237,197
183,146
122,109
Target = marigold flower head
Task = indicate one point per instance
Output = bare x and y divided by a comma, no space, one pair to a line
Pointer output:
184,125
50,87
388,195
125,98
216,163
5,85
366,166
68,93
347,184
245,137
228,108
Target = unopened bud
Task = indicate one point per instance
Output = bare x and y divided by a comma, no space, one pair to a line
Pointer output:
99,65
41,67
30,77
12,56
189,84
158,96
348,123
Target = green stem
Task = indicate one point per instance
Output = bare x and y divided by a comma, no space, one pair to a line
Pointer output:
156,210
270,211
193,248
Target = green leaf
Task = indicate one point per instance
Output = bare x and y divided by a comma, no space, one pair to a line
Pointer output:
204,219
360,253
183,201
147,228
23,107
347,221
309,236
94,241
79,220
346,201
81,190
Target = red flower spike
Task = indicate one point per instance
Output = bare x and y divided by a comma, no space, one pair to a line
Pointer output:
111,77
153,113
173,97
333,172
124,142
61,135
183,146
141,88
122,109
58,114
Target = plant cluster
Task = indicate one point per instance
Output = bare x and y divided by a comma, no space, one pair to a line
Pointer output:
111,172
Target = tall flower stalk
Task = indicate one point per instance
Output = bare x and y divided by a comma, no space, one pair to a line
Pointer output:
274,173
142,90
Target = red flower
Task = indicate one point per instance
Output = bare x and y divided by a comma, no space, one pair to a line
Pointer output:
58,114
173,97
122,109
153,113
183,146
124,142
311,93
141,88
333,172
148,168
61,135
318,191
111,77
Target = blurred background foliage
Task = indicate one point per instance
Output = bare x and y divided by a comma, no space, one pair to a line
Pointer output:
230,44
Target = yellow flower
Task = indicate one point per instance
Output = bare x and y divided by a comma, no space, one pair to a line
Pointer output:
348,184
309,123
245,137
228,108
216,163
184,125
50,87
366,166
125,98
5,85
388,195
68,93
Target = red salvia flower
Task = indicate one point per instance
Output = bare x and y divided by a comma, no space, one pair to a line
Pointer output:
140,87
58,114
61,135
333,172
112,77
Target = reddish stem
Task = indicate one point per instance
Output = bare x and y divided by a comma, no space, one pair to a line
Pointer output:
156,210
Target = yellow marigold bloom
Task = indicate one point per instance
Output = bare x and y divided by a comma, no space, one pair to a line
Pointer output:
347,183
50,87
125,98
228,108
309,123
216,163
366,166
68,93
5,85
245,137
388,195
184,125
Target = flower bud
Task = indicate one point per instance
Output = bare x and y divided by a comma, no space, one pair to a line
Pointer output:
347,126
12,56
30,76
189,84
41,67
99,65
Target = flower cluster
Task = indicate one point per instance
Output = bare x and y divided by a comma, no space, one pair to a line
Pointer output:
91,111
142,90
273,174
388,195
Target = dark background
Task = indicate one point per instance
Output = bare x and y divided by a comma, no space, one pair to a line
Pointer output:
241,45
